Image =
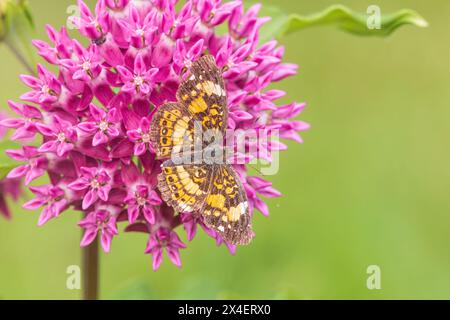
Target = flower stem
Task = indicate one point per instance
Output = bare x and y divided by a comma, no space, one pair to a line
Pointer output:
90,271
20,58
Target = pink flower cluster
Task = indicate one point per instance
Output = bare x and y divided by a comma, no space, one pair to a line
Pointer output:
93,117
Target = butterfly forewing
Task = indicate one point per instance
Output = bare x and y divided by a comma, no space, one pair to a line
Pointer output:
172,130
203,93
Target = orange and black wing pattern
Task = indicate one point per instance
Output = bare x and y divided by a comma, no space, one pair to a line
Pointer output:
204,94
226,207
185,187
213,191
172,130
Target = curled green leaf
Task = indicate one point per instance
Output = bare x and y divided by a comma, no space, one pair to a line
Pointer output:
372,23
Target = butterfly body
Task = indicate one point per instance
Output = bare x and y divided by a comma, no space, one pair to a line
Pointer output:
197,179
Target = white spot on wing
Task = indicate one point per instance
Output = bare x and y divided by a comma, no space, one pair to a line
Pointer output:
219,90
243,207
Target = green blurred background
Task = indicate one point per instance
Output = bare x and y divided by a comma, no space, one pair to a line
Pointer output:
369,187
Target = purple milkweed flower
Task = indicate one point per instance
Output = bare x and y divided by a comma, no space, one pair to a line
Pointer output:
140,79
97,182
46,88
35,167
102,125
257,185
102,220
191,222
141,197
62,46
164,239
52,198
144,199
25,127
61,137
86,65
141,137
92,26
93,116
139,31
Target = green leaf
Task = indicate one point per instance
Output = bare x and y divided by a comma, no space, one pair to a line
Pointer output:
340,16
17,30
6,163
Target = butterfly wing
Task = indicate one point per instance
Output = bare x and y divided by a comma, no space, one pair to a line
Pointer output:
185,187
213,190
172,130
203,93
226,207
202,106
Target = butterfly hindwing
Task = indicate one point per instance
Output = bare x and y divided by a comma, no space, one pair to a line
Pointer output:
226,207
185,187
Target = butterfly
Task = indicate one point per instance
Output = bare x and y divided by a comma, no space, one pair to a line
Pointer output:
199,187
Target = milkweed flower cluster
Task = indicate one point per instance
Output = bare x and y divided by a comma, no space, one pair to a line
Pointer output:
92,118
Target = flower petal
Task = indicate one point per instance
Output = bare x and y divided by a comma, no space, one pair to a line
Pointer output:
89,199
89,237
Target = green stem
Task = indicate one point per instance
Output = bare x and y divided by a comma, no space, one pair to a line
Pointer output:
20,57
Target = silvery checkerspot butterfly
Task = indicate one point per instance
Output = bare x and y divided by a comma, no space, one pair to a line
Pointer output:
211,190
